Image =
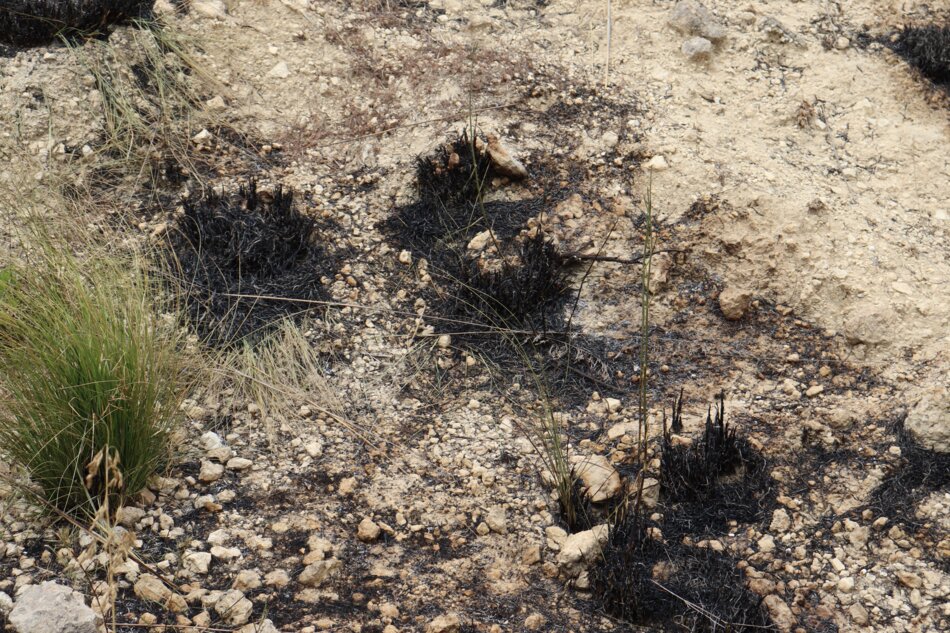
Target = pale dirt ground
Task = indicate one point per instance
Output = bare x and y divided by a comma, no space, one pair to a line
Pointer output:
838,227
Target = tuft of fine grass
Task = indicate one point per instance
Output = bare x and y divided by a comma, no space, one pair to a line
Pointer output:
151,87
91,377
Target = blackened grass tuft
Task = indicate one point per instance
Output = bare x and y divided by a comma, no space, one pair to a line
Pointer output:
241,259
926,48
719,478
651,572
661,582
37,22
524,292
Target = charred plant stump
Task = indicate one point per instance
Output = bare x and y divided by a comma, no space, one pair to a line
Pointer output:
719,478
657,581
652,574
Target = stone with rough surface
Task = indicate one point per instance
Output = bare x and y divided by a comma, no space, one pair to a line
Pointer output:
267,626
734,302
197,562
692,18
317,572
782,616
929,421
367,531
151,588
233,607
697,48
52,608
504,163
581,549
600,479
449,623
215,9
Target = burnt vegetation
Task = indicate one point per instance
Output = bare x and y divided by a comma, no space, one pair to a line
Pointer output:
513,282
926,48
717,479
663,583
508,297
245,260
523,292
652,573
36,22
921,472
450,206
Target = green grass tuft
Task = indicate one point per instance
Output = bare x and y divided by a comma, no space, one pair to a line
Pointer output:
91,377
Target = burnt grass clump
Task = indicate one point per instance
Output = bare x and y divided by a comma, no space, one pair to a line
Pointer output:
36,22
666,581
450,208
525,291
519,291
719,478
926,48
245,260
921,472
508,299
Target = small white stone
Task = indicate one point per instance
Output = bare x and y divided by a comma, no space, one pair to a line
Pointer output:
216,104
225,553
233,607
609,140
480,241
129,516
497,521
247,580
202,137
239,463
214,9
277,578
280,71
196,562
697,48
657,163
367,531
210,472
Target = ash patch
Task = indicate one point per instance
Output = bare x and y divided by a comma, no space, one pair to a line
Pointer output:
920,473
243,261
645,580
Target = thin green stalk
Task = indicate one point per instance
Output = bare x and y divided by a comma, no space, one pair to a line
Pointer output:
649,244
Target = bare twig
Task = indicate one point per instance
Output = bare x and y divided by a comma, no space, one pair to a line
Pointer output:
617,260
